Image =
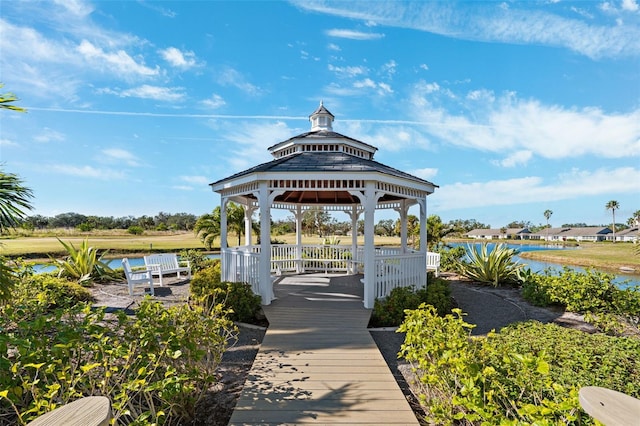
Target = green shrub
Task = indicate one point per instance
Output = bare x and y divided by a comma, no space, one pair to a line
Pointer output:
528,373
591,292
451,258
238,298
51,292
135,230
154,367
390,311
198,260
495,267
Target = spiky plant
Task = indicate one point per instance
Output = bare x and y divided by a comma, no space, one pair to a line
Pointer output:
493,267
82,264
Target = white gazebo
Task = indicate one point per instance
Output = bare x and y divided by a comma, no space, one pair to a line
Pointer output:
327,170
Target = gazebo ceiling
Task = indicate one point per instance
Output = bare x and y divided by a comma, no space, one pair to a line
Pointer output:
307,197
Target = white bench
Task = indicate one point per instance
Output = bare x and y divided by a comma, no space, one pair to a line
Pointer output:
136,276
433,262
166,264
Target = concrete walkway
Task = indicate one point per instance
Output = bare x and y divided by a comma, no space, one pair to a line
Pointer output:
318,363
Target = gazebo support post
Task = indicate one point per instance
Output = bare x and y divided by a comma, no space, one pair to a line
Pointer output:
297,214
403,211
354,214
223,237
266,290
248,229
369,203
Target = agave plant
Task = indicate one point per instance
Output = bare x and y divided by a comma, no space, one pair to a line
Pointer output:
82,264
492,266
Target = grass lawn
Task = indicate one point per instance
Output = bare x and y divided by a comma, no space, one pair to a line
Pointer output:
597,255
39,246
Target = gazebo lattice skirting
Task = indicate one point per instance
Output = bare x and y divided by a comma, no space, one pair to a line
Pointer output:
324,170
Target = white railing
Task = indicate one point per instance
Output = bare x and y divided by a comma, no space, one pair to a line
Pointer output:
399,270
242,265
393,267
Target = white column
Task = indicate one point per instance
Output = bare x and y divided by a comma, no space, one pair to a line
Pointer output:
423,224
370,201
297,214
248,228
223,238
265,284
403,211
354,214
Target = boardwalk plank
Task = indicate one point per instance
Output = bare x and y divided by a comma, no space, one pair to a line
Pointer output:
318,363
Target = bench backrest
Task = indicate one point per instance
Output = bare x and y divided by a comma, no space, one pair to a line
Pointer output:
433,260
165,260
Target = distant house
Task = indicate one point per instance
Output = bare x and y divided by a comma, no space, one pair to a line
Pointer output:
500,234
628,235
549,234
589,233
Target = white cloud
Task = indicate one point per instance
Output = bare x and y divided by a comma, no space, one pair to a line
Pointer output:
251,140
630,5
334,47
118,61
179,59
196,180
87,172
166,94
76,7
348,71
520,23
426,173
231,77
7,142
354,35
568,186
507,124
518,158
118,155
49,135
214,102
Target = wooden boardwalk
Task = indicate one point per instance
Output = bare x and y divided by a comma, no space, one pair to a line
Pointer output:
318,363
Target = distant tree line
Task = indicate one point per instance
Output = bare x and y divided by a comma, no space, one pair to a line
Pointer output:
160,222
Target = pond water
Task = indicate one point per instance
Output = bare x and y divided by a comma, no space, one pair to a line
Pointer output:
622,280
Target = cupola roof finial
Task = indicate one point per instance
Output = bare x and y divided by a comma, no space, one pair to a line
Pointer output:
321,119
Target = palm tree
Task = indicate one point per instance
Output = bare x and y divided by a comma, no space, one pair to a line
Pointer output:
14,199
6,99
547,215
613,205
207,227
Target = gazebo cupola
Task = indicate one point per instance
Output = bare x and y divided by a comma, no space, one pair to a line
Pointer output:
322,139
321,119
323,169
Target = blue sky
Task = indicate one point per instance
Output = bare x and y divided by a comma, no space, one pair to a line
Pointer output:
512,108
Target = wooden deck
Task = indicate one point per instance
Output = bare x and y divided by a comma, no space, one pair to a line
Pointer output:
318,363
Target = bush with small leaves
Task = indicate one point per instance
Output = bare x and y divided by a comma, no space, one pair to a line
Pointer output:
238,298
390,311
135,230
155,366
528,373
